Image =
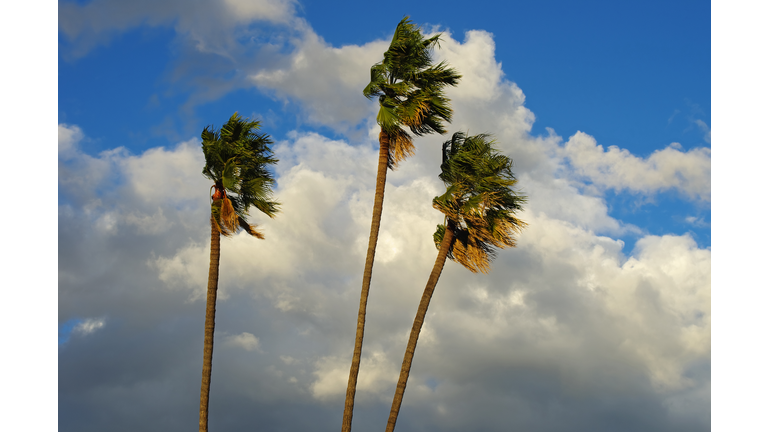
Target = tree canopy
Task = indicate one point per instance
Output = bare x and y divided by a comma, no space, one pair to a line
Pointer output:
237,158
479,203
410,89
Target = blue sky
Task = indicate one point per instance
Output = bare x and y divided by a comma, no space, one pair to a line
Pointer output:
600,318
578,64
636,77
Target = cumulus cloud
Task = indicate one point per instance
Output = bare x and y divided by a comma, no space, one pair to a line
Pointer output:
483,90
158,178
566,313
296,65
320,76
485,101
569,328
474,59
669,168
162,174
69,137
187,269
377,372
648,312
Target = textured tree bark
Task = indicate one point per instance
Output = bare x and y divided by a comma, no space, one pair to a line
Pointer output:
378,201
210,315
418,322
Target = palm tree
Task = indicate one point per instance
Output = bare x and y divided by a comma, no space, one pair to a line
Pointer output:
410,93
236,160
479,207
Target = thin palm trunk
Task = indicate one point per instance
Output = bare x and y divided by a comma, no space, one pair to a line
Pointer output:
418,322
210,315
378,202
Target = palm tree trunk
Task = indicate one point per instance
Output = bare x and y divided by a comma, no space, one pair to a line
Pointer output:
210,315
418,322
378,202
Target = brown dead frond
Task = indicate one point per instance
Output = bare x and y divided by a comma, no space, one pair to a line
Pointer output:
250,229
472,256
228,217
400,147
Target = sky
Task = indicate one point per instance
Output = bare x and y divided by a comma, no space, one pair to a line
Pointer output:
599,319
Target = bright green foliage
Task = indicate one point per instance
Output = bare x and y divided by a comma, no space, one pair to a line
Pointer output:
410,89
236,159
479,203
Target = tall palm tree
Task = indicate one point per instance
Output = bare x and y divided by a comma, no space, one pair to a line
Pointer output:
409,88
479,207
236,160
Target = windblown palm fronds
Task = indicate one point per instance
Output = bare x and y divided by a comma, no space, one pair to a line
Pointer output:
479,205
236,160
479,200
409,89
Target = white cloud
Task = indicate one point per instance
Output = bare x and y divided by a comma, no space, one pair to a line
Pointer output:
377,373
559,199
327,81
211,26
474,60
69,137
483,102
187,269
245,340
151,183
171,176
89,326
81,174
669,168
705,130
648,311
568,316
269,10
148,224
696,221
571,302
672,278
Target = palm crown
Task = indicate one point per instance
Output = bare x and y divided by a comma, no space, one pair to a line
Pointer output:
236,159
479,203
410,89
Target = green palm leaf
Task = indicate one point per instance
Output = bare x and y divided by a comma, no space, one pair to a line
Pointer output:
479,203
409,89
237,158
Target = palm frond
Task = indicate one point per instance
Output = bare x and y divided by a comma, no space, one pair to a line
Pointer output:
237,159
250,229
472,252
216,213
479,203
400,147
388,119
409,88
228,218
